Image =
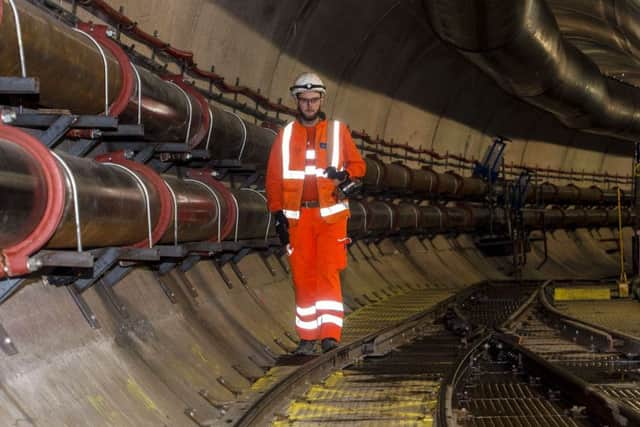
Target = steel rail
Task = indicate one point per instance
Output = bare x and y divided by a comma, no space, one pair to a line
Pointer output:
609,411
264,407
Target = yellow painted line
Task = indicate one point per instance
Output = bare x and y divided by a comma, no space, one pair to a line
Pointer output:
103,408
572,294
334,379
136,391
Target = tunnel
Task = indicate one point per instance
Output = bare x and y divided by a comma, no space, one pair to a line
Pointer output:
492,251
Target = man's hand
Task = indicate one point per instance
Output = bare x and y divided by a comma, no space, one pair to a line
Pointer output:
333,173
282,227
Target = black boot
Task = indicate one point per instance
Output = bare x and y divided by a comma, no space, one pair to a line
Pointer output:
305,347
328,344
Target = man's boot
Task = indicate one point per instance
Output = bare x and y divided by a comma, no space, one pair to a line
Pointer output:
328,344
305,347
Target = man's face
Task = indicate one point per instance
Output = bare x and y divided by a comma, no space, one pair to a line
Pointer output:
309,105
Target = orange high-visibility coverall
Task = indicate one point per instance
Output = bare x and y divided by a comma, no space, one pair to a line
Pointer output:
318,235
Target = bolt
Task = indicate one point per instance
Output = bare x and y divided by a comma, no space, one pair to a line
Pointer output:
34,264
8,116
110,32
129,154
214,174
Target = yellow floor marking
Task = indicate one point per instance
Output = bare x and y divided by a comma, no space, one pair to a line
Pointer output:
137,392
572,294
102,407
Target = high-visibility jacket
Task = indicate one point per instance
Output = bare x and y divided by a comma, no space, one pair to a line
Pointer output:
290,161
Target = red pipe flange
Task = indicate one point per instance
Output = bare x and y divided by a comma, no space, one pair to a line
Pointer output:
16,256
99,33
204,176
202,133
164,195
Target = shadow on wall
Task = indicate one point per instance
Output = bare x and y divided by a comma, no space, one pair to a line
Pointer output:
387,47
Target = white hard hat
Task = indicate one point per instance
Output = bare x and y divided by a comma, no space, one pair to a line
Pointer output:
308,82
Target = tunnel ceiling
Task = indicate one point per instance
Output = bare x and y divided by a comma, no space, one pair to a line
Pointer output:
605,31
389,74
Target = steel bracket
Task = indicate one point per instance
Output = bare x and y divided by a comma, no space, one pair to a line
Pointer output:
19,86
113,276
178,251
165,288
6,343
125,130
107,259
57,130
86,311
189,262
243,253
48,258
41,120
8,286
113,299
218,265
238,272
264,256
139,254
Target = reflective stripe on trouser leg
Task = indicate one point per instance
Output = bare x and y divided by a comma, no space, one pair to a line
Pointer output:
331,259
303,270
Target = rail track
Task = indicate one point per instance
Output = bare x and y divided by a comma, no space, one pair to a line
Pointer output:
493,355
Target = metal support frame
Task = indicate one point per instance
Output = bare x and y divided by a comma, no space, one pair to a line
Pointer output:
165,288
19,86
8,286
57,130
107,259
86,311
107,292
264,256
488,169
218,266
39,120
6,343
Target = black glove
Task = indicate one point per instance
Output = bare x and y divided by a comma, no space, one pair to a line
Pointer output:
348,188
333,173
282,227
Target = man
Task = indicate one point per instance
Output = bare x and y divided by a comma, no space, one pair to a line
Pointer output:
312,168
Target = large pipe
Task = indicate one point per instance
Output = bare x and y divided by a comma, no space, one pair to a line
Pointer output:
519,45
254,221
425,183
377,218
170,109
58,201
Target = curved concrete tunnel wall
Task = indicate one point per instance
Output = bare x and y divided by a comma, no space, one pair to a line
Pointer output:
386,73
148,367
